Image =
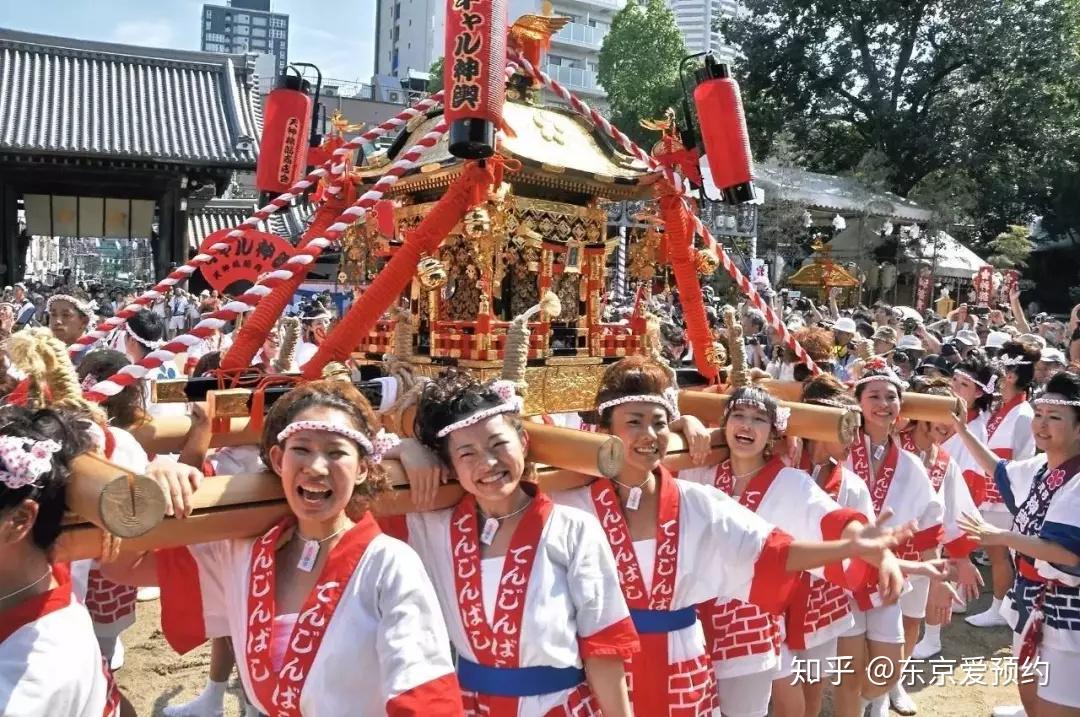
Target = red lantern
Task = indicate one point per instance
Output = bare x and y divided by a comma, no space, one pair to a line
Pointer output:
984,285
723,130
473,74
284,146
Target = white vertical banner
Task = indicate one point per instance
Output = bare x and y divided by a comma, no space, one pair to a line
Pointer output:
759,270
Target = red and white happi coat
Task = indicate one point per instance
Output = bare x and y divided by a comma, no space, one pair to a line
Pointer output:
111,605
552,600
947,480
1007,432
50,663
743,638
706,545
901,484
369,639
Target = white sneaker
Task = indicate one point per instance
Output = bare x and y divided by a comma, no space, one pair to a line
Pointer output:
901,701
879,707
117,660
925,649
987,618
1009,711
148,594
198,707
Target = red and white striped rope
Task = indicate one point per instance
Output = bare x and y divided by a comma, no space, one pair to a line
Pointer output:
249,299
676,181
328,168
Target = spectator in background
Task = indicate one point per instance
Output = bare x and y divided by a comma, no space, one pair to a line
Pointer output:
843,356
26,313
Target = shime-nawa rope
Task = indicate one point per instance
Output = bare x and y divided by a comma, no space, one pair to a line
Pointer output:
249,299
331,167
601,122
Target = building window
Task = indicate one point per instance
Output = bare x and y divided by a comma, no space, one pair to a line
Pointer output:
258,44
208,26
209,14
258,32
259,21
243,18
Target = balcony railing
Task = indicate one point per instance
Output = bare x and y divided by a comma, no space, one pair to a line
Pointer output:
613,5
576,33
574,77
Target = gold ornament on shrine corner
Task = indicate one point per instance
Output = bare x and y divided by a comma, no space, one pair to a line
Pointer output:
668,128
476,224
341,123
431,273
707,262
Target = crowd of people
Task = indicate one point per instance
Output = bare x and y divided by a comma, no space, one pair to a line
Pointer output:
712,591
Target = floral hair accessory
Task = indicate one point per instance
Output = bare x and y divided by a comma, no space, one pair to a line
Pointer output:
1011,361
783,413
25,460
88,382
152,345
86,308
1042,401
511,403
669,400
882,371
383,441
987,387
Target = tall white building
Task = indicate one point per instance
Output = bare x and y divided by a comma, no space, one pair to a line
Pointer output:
409,38
695,21
247,26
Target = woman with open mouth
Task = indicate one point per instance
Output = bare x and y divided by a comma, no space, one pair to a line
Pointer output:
746,658
1043,492
898,484
678,544
318,593
528,588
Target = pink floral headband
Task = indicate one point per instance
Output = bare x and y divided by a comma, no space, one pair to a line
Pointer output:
987,387
884,372
374,449
669,400
783,413
86,308
25,460
511,403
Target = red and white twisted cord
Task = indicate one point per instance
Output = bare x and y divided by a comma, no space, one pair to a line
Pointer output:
328,168
634,150
250,298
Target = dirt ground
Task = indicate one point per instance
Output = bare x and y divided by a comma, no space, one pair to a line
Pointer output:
154,676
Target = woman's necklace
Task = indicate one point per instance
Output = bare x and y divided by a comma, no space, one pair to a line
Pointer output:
492,523
23,589
310,553
634,499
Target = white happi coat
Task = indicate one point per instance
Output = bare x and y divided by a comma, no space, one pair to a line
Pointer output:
50,663
794,501
385,640
723,550
1061,525
573,603
1013,440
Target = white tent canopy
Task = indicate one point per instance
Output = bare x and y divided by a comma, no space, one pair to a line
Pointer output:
948,256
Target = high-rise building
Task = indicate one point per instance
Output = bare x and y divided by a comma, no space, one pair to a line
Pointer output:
696,20
247,26
409,37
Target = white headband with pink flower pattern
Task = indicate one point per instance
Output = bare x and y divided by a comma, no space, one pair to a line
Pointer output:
374,449
512,403
669,400
25,460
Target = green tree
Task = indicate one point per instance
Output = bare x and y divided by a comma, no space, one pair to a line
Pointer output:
1011,248
639,66
435,80
987,87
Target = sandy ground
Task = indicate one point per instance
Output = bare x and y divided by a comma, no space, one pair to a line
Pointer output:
154,676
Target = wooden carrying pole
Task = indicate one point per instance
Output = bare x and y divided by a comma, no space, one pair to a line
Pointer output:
167,434
913,406
112,497
816,423
243,506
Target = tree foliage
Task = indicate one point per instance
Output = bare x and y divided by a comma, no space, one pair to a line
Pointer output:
435,80
984,89
639,66
1011,248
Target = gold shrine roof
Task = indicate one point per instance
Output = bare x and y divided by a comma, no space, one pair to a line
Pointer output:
556,148
823,272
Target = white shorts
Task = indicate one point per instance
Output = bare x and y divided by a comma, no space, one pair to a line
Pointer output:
177,322
880,624
746,695
811,663
913,601
1058,669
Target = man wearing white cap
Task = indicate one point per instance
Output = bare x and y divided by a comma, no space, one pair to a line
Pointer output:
1051,361
843,332
994,341
965,340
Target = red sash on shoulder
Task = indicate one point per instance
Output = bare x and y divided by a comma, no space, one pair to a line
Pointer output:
650,666
757,487
279,693
497,644
1000,414
936,470
879,485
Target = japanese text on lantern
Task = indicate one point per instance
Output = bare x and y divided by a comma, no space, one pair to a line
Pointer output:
288,150
465,70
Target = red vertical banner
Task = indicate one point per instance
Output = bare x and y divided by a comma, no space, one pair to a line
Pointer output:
924,285
984,285
474,57
1009,283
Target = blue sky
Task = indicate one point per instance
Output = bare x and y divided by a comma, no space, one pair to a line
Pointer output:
336,35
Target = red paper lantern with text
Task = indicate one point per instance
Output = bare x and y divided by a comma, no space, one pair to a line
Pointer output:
284,147
473,75
723,131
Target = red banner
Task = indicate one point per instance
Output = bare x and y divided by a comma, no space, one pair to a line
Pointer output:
1009,283
924,285
240,265
984,285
